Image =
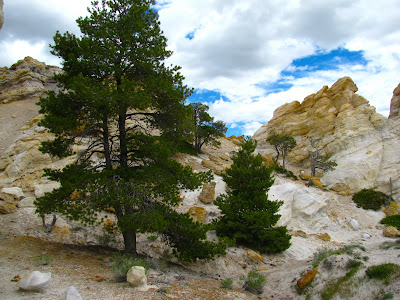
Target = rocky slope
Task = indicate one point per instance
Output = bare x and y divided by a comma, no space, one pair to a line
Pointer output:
317,218
363,143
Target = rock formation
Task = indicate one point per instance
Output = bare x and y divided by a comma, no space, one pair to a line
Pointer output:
1,14
395,103
32,77
362,142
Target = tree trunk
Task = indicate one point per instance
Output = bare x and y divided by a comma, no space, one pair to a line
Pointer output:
130,242
283,161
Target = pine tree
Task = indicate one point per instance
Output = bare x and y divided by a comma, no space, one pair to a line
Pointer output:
283,144
118,97
206,130
247,215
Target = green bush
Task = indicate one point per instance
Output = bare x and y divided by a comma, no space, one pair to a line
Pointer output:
44,260
227,283
370,199
383,271
392,221
255,282
123,263
281,170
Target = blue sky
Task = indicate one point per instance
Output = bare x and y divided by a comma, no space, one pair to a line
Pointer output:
245,58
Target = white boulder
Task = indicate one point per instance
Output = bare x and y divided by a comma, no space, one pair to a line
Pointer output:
16,192
35,281
71,294
136,277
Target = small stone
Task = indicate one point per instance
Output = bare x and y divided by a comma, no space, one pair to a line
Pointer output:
254,256
264,268
136,277
366,236
354,224
303,175
315,181
71,294
324,236
307,278
391,232
35,281
198,214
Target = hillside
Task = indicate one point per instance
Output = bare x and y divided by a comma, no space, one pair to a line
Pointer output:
317,217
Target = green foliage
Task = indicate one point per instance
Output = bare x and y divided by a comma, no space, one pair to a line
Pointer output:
323,254
255,282
115,91
206,130
122,263
383,272
44,260
370,199
227,283
392,221
287,172
283,144
389,245
337,285
387,296
247,215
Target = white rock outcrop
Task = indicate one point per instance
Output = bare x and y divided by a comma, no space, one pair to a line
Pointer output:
35,281
363,143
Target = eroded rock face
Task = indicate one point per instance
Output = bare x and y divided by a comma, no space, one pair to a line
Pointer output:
395,103
361,141
26,79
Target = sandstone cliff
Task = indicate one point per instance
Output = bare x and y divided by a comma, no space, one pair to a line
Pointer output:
361,141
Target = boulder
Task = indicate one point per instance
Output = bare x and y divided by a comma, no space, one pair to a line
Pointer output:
208,192
307,278
354,224
136,277
71,294
303,175
341,189
315,181
35,281
7,207
198,214
26,202
254,256
391,232
16,192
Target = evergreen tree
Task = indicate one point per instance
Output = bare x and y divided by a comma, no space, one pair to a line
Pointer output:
283,144
206,130
247,215
120,99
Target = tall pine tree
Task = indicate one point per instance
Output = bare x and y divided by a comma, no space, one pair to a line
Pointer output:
248,216
120,99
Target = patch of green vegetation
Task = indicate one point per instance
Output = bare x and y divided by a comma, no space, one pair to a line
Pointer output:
332,289
152,237
255,282
389,245
370,199
44,260
383,272
227,283
388,296
123,263
392,221
185,147
324,253
280,170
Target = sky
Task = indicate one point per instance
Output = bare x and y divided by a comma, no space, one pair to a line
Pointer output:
245,58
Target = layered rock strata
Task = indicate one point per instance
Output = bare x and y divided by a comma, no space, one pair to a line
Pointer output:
362,142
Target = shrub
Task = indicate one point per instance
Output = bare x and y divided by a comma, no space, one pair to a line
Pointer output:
227,283
255,282
383,271
392,221
370,199
44,260
281,170
123,263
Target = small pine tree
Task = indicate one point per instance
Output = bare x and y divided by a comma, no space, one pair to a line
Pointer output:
283,144
248,216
